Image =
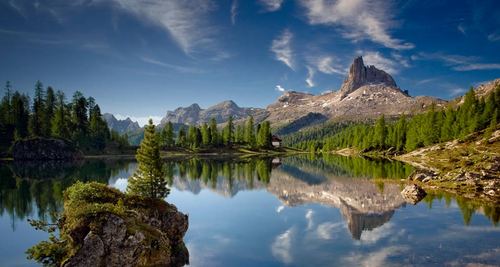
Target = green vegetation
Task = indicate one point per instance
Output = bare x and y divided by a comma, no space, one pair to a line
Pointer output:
209,137
49,115
149,178
407,134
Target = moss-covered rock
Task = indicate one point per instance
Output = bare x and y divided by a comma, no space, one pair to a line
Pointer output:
101,226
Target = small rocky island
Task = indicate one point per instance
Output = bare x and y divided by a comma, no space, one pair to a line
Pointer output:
101,226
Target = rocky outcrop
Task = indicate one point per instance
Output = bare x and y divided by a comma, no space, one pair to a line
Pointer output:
194,114
101,226
360,75
413,194
121,126
45,149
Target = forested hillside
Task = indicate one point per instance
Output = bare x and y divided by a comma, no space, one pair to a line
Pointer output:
409,133
49,115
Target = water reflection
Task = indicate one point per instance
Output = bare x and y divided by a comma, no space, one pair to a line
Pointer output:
286,210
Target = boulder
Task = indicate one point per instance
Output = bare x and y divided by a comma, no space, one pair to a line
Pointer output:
45,149
413,194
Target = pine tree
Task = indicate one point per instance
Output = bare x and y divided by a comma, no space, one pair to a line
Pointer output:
205,135
214,133
264,135
167,135
98,128
380,133
59,125
79,119
20,114
228,132
181,137
250,133
149,178
50,100
36,123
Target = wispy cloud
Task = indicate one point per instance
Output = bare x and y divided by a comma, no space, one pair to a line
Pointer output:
326,64
461,28
376,258
186,21
234,11
282,48
310,77
493,37
458,62
171,66
378,60
357,19
280,88
281,247
271,5
456,91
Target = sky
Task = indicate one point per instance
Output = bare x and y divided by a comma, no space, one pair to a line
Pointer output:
140,58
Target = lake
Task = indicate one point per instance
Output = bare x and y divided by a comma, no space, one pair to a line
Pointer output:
294,211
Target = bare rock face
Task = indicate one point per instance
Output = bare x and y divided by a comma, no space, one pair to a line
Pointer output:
360,75
45,149
413,194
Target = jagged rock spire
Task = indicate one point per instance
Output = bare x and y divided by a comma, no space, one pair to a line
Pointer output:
360,75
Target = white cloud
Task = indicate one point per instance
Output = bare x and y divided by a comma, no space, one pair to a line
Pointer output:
378,60
309,219
282,48
234,11
375,259
271,5
494,37
456,91
141,120
310,77
358,19
461,28
325,65
282,245
280,208
186,21
326,230
458,62
374,235
170,66
280,88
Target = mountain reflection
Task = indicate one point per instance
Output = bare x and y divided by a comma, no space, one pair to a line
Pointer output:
358,187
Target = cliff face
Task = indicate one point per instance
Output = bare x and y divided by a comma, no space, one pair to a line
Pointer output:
360,75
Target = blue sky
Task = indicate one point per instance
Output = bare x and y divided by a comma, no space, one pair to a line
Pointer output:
142,58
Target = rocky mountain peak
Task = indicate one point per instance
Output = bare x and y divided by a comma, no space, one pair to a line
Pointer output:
360,75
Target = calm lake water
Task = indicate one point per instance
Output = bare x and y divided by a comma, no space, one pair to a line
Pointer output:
297,211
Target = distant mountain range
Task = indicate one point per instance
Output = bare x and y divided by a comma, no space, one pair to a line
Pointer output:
366,93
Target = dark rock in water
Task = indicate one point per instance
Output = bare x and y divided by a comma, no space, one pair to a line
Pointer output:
413,194
101,226
45,149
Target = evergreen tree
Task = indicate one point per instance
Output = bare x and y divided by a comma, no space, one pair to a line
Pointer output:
181,137
250,132
20,114
206,137
240,134
167,135
98,128
36,123
380,133
264,135
59,123
228,132
149,178
79,119
214,134
50,100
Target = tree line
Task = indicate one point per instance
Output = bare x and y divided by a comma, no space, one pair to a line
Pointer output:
49,115
208,135
409,133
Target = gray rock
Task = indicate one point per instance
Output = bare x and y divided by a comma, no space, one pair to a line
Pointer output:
413,194
45,149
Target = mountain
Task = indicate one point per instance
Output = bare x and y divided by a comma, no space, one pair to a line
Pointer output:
193,114
366,93
121,126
